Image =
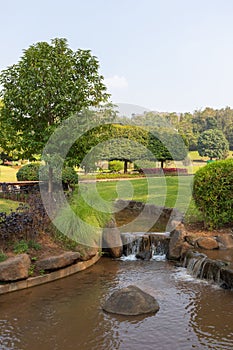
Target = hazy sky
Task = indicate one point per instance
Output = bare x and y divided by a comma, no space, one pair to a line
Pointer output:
164,55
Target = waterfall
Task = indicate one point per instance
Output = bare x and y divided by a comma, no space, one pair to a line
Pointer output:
200,266
195,266
145,246
131,243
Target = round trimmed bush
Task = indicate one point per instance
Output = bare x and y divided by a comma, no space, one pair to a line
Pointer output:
30,172
213,192
69,176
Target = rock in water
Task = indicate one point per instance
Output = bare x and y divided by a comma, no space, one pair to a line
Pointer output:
131,300
111,240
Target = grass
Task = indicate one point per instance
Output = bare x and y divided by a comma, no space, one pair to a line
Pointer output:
194,155
7,205
83,224
163,191
7,174
170,191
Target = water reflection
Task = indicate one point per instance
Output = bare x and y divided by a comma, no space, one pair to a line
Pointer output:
211,312
67,314
212,321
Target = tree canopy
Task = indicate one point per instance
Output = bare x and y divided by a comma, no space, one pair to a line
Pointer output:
213,144
48,84
130,143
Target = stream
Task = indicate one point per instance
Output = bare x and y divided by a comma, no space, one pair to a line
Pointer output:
67,314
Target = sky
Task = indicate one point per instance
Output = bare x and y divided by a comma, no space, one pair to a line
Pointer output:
162,55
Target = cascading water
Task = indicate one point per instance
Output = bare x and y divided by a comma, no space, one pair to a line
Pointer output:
201,266
145,246
195,264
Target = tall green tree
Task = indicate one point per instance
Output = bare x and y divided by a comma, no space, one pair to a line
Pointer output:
213,144
48,84
229,136
185,129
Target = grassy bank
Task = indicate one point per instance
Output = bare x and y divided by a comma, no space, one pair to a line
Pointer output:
7,205
92,202
84,218
163,191
7,174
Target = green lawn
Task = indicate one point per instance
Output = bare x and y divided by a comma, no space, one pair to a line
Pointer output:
169,191
194,155
7,173
7,205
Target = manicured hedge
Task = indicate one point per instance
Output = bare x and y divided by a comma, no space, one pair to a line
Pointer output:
213,192
30,172
165,171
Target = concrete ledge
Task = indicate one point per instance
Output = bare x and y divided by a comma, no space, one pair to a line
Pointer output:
53,276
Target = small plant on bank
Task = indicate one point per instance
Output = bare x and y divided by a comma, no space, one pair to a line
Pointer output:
66,242
31,269
23,246
213,193
20,247
3,257
34,245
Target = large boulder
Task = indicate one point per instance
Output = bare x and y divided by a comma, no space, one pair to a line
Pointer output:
144,255
207,243
177,239
111,240
145,249
226,276
225,241
87,253
15,268
131,300
58,261
185,248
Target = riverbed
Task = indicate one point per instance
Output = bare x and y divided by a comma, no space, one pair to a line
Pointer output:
67,314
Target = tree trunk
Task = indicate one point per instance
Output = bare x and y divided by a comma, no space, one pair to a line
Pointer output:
162,163
50,182
125,166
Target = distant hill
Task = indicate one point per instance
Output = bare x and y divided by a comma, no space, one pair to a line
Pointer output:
127,110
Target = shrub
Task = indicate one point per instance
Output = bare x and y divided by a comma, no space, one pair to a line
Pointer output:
21,247
30,172
69,176
115,165
213,192
26,222
3,257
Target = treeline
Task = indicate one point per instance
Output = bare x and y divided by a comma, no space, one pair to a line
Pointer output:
191,125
